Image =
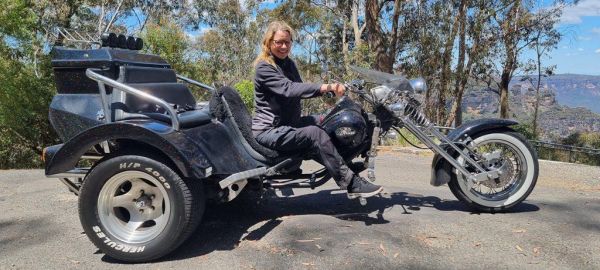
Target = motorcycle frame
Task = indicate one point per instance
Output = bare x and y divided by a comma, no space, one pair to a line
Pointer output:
447,143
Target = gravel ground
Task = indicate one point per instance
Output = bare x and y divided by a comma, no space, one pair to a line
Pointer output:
413,226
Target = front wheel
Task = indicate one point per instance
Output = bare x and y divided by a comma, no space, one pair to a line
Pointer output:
137,209
514,158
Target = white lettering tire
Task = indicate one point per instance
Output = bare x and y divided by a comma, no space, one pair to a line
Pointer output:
516,159
138,209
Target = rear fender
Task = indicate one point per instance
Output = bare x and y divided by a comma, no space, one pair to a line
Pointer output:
441,169
184,154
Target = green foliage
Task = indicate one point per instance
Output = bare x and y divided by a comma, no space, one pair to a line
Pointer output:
169,41
17,20
404,139
27,88
246,90
526,130
591,140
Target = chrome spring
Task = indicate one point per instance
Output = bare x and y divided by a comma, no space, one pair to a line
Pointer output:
414,112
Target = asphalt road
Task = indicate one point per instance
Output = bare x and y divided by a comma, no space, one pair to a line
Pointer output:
413,226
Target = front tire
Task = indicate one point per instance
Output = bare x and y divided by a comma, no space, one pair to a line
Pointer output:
510,153
137,209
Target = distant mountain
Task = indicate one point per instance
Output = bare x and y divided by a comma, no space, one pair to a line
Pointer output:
569,103
574,90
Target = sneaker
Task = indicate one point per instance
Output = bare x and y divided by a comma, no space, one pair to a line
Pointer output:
363,188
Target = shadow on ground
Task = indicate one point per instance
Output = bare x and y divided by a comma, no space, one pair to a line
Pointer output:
225,226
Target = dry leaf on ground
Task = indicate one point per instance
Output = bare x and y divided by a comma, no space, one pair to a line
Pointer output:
305,240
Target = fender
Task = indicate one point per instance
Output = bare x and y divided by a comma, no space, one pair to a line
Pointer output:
176,146
441,169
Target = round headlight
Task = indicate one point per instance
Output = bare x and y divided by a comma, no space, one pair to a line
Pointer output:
418,85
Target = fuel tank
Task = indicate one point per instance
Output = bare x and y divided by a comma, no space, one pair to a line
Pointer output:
347,126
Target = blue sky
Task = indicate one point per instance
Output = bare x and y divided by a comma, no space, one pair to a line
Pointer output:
579,50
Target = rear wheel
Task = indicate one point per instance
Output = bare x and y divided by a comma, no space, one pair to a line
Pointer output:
137,209
514,158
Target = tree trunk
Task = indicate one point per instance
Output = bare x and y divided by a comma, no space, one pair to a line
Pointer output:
358,30
461,77
345,47
510,39
537,89
376,38
504,82
446,70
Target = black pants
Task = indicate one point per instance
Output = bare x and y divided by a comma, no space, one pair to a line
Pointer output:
308,137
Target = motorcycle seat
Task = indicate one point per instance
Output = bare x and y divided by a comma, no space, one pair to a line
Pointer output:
161,83
187,119
243,124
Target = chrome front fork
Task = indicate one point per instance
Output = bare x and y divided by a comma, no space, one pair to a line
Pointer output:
422,134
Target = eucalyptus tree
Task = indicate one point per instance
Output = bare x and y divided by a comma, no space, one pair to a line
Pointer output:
545,39
229,40
475,40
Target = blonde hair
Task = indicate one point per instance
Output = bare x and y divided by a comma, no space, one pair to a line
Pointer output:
265,46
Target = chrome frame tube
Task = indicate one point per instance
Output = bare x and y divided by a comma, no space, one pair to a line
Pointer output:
70,185
196,83
444,139
412,127
103,80
105,103
77,172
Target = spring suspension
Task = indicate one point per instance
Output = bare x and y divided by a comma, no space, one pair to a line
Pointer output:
414,111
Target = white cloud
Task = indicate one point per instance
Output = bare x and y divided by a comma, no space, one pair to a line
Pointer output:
580,49
596,30
598,50
584,38
572,14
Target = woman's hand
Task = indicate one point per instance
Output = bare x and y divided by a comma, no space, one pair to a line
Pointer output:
336,88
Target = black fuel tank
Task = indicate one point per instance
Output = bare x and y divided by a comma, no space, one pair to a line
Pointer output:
347,127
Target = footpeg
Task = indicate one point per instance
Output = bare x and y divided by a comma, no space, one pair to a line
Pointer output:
361,199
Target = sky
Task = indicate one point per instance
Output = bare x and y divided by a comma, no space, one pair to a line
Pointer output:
579,50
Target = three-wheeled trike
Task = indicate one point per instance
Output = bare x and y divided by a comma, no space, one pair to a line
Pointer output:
145,157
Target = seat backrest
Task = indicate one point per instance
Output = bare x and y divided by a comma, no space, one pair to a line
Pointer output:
159,82
241,115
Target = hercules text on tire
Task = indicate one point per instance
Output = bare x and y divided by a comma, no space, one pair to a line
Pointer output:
137,209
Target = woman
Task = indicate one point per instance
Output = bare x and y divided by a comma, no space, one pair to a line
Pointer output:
277,123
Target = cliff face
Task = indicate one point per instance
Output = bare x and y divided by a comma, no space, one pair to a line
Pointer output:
562,121
576,90
568,104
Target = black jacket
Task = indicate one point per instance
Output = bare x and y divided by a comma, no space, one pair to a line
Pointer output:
277,94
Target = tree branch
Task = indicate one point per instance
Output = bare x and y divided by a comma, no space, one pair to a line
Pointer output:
112,20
